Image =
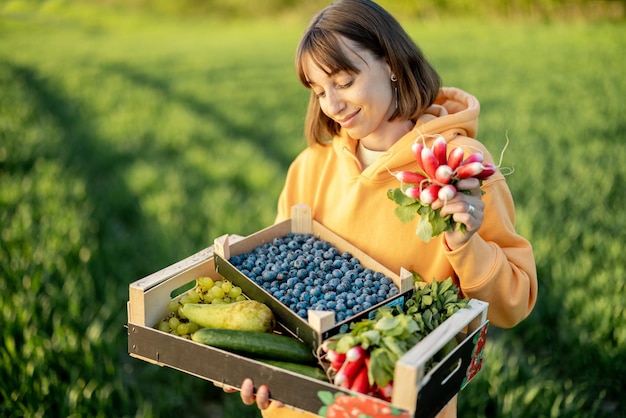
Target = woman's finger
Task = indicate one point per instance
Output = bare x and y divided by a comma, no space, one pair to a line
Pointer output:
247,392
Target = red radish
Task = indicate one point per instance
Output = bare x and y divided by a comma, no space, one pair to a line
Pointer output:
475,157
447,192
469,170
444,173
430,162
413,192
488,170
417,148
325,345
456,157
336,359
355,353
361,382
387,391
440,149
430,194
409,177
346,374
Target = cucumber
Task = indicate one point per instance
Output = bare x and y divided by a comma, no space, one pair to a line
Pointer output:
256,344
303,369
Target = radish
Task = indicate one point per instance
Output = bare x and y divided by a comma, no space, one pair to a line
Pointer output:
417,148
387,391
475,157
409,177
440,148
456,157
361,382
447,192
430,162
336,359
444,174
488,170
413,192
348,371
355,353
468,170
430,194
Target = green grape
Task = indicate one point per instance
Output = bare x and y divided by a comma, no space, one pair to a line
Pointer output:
240,298
172,306
164,326
193,327
234,292
205,282
180,313
183,328
217,292
217,283
226,286
193,297
174,322
185,299
226,299
217,301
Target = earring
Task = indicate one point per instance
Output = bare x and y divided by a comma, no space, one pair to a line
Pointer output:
395,88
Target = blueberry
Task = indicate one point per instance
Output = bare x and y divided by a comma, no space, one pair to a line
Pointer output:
371,299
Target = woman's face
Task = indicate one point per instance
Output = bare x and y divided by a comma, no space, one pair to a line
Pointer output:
362,102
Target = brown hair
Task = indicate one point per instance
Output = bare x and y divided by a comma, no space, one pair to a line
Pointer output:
371,27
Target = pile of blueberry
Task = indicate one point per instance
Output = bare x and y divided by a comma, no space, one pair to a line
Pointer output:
304,272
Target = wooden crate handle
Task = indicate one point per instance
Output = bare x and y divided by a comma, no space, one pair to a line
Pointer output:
222,247
301,219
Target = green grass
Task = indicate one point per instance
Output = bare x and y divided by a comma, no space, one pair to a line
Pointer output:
129,142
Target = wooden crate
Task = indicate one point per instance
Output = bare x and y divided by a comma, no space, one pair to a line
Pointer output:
416,393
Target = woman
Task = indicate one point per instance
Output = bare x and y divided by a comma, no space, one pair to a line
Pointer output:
372,95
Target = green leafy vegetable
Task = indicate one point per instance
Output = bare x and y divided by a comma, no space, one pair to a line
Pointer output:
394,331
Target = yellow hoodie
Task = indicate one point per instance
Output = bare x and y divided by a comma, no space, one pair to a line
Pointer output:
496,265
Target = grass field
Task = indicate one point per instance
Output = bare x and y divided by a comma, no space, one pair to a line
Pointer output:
129,142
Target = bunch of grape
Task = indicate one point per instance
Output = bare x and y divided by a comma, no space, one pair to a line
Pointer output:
304,272
206,290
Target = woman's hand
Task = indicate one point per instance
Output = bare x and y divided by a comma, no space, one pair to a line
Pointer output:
248,397
467,209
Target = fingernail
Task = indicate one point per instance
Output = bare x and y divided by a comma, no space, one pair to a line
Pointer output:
247,384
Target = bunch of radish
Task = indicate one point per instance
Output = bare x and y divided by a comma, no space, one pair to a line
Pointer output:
363,359
437,178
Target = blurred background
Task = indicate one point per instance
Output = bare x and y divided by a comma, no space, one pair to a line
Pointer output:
133,133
